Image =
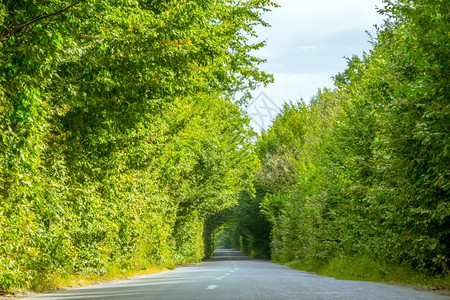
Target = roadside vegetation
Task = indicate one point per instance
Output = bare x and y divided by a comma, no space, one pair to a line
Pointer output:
123,147
120,133
355,184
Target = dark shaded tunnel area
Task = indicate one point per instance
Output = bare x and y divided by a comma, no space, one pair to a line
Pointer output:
228,254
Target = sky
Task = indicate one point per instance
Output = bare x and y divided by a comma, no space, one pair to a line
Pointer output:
306,45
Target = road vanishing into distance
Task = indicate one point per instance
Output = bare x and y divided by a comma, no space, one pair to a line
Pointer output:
232,275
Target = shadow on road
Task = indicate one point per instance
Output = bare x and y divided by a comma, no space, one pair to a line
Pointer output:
228,254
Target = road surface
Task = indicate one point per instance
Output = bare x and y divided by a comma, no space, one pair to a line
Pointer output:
232,275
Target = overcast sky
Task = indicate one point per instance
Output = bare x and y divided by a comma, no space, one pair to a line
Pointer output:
308,41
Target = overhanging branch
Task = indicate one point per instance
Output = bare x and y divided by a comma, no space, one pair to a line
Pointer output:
36,19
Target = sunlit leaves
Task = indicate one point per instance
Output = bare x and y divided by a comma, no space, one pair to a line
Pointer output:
116,141
371,173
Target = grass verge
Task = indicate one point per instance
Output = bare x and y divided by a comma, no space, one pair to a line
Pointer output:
61,281
361,268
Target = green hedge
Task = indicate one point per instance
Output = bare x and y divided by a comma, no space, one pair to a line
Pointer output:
119,132
363,170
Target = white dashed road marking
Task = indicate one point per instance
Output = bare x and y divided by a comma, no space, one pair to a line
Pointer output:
211,287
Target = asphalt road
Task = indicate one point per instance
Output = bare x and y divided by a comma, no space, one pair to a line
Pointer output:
232,275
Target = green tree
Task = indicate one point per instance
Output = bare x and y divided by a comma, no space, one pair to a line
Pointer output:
118,136
365,172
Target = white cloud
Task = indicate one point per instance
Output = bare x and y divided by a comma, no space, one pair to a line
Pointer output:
317,11
287,88
308,47
318,19
293,87
308,40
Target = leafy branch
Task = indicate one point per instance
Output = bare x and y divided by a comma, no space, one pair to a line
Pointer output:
36,19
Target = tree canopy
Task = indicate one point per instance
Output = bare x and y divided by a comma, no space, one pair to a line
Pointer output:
120,132
363,171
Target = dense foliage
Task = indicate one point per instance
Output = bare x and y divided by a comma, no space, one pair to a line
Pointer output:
363,170
245,227
118,134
